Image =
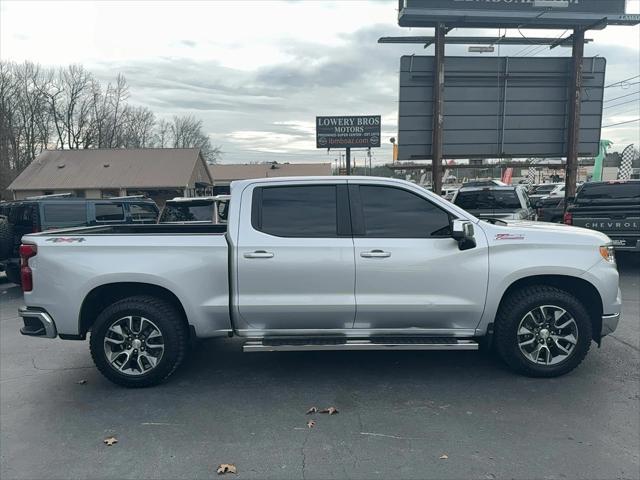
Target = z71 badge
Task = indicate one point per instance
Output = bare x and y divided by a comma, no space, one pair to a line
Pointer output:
509,236
66,240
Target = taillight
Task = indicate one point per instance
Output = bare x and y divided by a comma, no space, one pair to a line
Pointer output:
26,275
568,218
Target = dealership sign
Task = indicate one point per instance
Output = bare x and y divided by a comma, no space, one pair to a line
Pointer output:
514,13
348,131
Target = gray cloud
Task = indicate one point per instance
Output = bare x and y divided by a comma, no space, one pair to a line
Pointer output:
357,76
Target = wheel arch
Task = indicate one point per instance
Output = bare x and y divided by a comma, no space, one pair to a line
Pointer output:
104,295
582,289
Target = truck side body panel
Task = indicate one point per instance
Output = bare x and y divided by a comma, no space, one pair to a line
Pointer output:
193,267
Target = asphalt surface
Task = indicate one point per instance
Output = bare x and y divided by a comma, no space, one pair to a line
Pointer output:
400,412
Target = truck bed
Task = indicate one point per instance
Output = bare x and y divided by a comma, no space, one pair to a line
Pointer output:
144,229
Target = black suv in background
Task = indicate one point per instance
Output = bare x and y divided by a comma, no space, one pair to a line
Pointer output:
612,208
36,214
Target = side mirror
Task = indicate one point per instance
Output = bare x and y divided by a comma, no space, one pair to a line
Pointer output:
462,231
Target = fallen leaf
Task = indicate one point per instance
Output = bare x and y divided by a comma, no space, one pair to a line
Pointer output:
444,456
81,382
312,410
226,468
110,441
330,410
311,423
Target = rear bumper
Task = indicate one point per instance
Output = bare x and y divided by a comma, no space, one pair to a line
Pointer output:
37,323
609,324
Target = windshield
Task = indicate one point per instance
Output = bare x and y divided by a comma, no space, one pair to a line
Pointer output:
488,200
192,212
609,191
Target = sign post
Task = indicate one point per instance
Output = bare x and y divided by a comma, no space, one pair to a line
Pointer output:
348,132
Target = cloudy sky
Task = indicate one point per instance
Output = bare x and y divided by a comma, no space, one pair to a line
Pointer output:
257,73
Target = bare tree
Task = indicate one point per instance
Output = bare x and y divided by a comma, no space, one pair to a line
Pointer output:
138,128
187,132
69,108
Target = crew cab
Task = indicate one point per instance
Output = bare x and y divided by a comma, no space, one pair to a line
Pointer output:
610,207
323,263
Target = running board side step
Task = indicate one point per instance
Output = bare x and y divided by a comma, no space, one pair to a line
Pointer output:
374,343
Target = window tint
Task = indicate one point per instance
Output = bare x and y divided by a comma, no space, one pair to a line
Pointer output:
109,212
488,200
395,213
305,211
65,214
141,212
24,216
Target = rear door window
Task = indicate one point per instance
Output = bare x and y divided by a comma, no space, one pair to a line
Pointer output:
109,212
296,211
67,214
609,192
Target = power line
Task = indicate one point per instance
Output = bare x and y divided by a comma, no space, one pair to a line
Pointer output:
622,103
619,114
622,96
621,123
622,81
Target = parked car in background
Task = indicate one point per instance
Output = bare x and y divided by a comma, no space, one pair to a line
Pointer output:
550,209
196,210
542,190
449,192
612,208
48,212
505,203
394,267
484,182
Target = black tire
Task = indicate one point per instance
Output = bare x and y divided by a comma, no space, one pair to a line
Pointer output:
514,309
12,271
166,318
6,238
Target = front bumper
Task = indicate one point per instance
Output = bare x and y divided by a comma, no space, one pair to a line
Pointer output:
609,323
37,323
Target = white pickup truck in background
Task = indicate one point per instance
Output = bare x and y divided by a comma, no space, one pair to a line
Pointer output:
323,263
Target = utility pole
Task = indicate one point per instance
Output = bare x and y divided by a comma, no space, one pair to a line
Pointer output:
573,136
438,110
348,161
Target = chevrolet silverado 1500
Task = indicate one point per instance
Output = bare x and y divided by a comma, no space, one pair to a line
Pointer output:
323,263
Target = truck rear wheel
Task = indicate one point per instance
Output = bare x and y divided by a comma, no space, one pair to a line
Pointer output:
138,341
543,331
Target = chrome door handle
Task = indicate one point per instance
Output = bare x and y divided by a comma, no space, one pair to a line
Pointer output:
375,254
259,254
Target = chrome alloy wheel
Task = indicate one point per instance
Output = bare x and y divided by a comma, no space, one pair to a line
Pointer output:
547,335
133,345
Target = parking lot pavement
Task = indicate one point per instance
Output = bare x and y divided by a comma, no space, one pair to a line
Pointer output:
400,412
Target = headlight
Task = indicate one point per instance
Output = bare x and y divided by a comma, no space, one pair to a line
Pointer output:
607,252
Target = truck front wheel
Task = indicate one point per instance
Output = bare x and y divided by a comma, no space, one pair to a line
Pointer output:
138,341
542,331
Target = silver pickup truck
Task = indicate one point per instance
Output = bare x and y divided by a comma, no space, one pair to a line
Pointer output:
323,263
